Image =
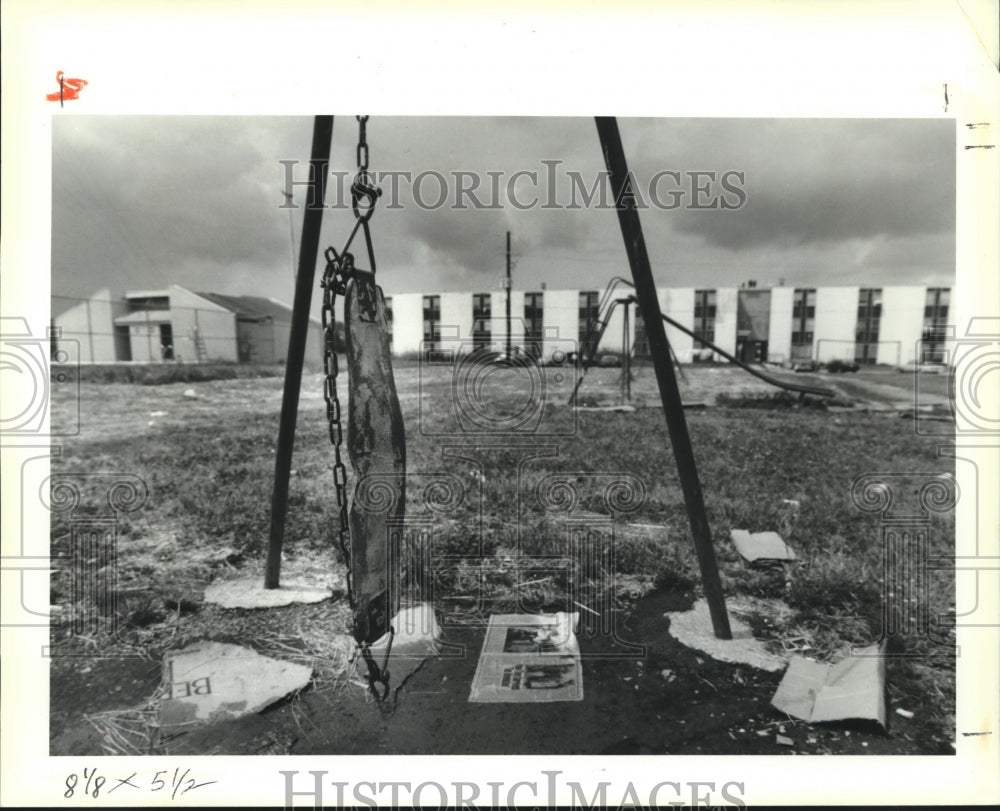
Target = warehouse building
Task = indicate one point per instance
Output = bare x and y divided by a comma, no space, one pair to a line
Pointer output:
176,324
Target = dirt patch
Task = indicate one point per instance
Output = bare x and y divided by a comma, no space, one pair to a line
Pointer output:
644,693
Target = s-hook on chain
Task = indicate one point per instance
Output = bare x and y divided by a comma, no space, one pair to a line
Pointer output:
339,269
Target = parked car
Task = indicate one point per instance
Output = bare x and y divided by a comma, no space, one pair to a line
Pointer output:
805,366
841,366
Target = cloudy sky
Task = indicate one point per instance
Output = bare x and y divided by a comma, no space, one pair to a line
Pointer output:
140,202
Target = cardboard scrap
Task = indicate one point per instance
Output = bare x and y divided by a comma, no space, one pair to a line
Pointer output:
760,546
853,688
215,681
529,658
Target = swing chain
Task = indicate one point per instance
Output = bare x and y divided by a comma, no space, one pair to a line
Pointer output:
339,270
364,194
362,144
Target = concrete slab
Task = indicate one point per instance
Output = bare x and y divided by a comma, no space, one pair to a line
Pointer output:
250,593
215,681
694,629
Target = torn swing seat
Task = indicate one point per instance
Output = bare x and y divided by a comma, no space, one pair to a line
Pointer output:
376,443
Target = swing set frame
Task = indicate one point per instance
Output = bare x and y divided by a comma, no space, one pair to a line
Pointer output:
649,308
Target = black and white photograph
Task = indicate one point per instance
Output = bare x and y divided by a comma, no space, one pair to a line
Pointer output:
361,423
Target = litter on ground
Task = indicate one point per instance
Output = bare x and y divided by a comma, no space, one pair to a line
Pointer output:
529,657
761,546
854,688
214,681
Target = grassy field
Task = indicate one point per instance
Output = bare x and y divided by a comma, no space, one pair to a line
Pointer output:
158,374
208,461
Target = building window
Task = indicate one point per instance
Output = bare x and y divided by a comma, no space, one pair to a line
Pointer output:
935,325
388,316
803,323
704,316
804,304
867,327
481,320
137,304
533,331
588,312
432,323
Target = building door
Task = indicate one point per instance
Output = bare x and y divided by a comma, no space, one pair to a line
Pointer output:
123,346
166,342
753,323
751,351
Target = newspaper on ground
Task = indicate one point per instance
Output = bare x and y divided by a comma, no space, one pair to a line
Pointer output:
529,657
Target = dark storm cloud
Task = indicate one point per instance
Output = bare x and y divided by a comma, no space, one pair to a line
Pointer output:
434,151
812,181
471,239
164,194
148,201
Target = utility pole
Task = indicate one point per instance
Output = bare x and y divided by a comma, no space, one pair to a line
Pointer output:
291,231
507,285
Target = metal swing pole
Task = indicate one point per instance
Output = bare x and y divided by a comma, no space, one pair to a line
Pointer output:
649,305
626,350
298,335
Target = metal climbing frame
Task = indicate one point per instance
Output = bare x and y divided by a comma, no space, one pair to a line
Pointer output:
597,327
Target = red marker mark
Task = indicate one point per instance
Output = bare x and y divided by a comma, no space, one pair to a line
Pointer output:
69,89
